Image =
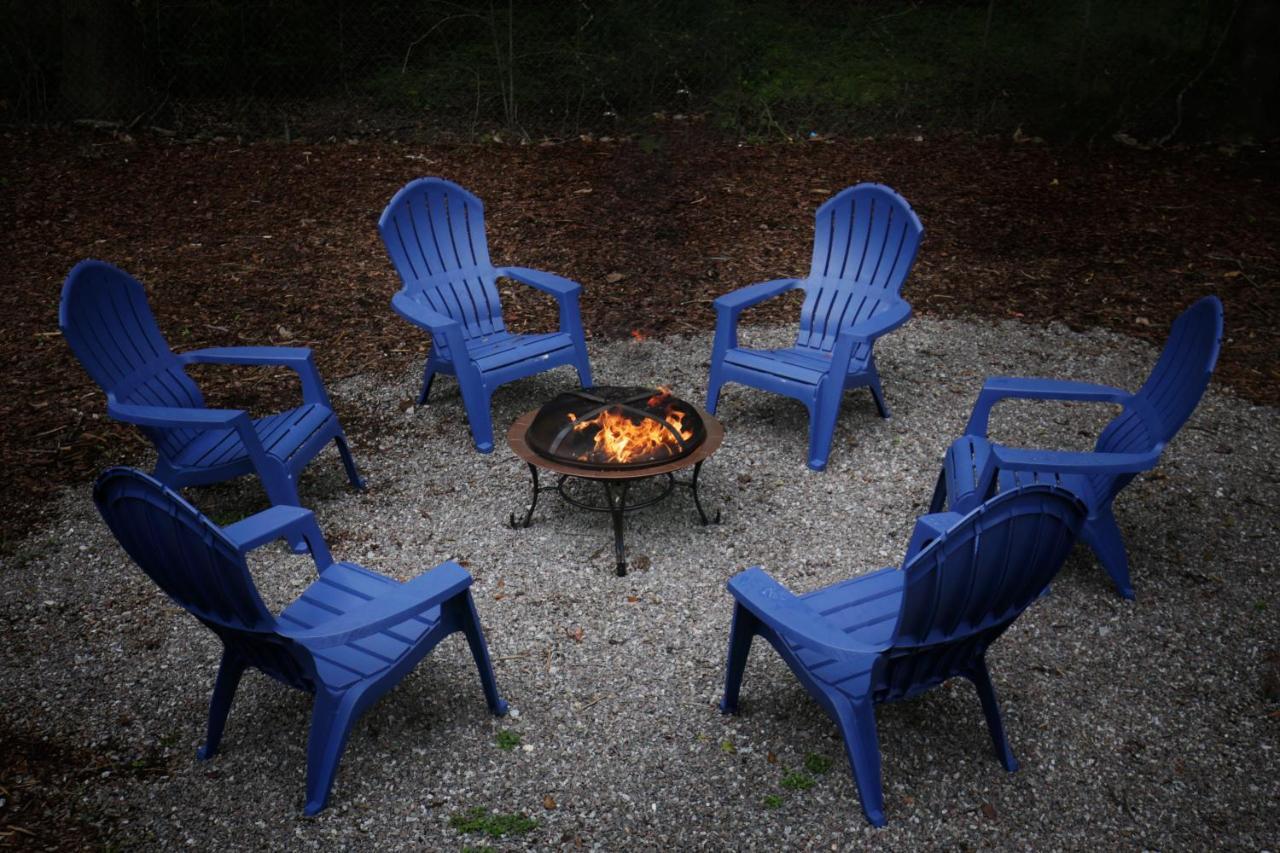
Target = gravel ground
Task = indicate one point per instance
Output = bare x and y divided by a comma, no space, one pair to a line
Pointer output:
1150,724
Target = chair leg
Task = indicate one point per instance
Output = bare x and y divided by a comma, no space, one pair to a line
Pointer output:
1103,535
282,491
480,651
349,462
714,383
877,393
224,690
428,376
740,635
583,366
475,399
981,679
822,428
331,720
861,743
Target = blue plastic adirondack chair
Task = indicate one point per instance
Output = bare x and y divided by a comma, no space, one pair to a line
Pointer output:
105,318
348,639
975,468
434,231
895,633
864,243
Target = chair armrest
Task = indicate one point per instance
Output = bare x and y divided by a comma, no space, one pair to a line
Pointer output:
730,305
400,602
882,323
847,340
1066,462
565,291
178,417
296,358
734,302
280,522
446,332
928,528
420,315
776,606
551,283
287,356
998,388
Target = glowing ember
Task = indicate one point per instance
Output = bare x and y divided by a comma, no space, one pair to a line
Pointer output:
621,439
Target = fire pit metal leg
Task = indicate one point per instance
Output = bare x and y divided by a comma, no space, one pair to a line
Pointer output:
693,486
533,502
617,506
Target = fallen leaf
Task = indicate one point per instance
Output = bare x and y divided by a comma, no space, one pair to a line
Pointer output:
575,634
988,811
614,277
548,802
771,758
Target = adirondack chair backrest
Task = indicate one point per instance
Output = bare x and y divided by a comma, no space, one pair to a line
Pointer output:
964,588
105,318
1172,391
864,243
434,231
195,564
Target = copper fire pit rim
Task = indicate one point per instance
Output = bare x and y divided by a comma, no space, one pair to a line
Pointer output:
520,428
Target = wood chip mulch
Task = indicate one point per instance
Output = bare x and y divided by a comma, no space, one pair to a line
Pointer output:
275,243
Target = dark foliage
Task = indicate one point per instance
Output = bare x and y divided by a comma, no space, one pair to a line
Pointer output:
1156,70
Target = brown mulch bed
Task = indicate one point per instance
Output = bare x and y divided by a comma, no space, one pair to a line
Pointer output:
38,809
276,243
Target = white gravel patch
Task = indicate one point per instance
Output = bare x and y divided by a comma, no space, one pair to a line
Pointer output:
1141,724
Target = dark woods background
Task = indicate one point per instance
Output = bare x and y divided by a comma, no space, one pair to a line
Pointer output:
1151,71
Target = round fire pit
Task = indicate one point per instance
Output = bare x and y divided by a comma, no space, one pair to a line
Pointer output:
615,427
615,436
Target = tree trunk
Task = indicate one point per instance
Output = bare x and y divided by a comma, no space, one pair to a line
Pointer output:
103,62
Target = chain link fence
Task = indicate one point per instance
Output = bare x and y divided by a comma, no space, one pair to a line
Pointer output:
432,68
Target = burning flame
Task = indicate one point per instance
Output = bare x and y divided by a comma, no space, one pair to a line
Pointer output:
621,440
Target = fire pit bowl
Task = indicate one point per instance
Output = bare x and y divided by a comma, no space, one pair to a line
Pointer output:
613,437
616,427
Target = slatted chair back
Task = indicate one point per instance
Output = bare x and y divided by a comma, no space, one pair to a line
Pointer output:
105,318
1170,394
864,243
964,588
195,564
434,232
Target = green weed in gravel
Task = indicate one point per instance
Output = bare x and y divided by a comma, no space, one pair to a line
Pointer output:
773,801
797,781
817,764
508,739
494,825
